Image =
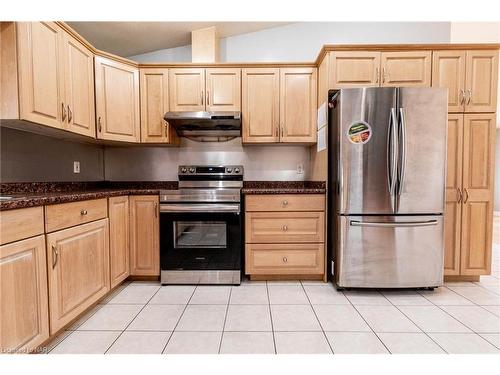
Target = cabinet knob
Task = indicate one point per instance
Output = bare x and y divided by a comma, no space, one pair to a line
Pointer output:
285,228
284,203
83,212
285,259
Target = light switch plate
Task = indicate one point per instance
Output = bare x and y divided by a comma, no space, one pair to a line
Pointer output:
76,167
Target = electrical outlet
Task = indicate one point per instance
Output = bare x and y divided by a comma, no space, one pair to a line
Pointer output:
300,169
76,167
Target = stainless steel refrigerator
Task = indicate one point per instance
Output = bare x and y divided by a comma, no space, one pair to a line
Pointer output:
387,164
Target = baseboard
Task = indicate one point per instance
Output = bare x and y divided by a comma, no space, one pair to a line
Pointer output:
455,278
285,277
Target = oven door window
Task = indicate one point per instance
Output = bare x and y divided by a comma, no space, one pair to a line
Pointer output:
200,234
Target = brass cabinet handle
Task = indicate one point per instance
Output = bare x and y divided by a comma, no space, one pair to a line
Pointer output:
459,195
285,228
377,75
83,212
99,125
156,209
63,111
384,74
470,96
202,98
466,195
462,95
284,203
285,259
282,130
70,114
166,129
277,131
208,97
55,256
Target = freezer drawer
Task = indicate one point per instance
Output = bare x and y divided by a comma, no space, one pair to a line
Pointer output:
389,251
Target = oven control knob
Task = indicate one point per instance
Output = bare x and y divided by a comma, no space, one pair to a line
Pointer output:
236,170
183,169
229,170
191,170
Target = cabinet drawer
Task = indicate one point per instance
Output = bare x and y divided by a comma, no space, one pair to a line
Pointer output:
20,224
284,227
284,259
285,202
60,216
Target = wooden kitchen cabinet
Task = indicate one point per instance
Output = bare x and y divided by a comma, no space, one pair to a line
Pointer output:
78,270
223,89
79,87
298,110
19,224
154,105
144,235
354,69
279,105
119,239
24,313
187,89
260,105
408,69
40,73
481,80
448,71
117,100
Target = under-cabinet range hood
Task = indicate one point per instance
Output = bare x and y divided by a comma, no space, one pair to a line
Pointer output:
206,126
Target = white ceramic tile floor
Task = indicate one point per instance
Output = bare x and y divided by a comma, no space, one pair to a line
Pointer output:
289,317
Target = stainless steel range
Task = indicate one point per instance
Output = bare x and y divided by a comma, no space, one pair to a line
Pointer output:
201,226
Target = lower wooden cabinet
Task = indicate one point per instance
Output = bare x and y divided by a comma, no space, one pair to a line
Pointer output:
119,239
24,321
144,235
78,270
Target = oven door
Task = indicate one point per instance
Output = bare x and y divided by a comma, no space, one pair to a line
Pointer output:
196,236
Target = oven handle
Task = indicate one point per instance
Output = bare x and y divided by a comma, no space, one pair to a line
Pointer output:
210,208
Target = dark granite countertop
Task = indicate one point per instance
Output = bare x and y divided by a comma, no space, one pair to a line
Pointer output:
284,187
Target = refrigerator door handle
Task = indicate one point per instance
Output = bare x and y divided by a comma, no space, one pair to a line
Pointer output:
391,152
406,224
402,150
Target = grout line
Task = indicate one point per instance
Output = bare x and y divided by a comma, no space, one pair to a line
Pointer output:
178,321
225,318
316,315
135,316
271,316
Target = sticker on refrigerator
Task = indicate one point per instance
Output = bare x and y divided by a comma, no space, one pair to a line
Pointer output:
359,132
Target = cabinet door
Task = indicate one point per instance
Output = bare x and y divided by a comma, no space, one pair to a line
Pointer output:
298,96
24,311
187,89
78,270
79,87
154,105
260,105
354,69
481,81
448,71
453,207
119,239
477,211
223,89
117,100
41,84
144,235
408,69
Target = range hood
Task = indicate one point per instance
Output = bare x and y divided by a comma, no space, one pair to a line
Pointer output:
206,126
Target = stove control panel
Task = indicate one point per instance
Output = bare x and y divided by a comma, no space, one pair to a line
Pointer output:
211,170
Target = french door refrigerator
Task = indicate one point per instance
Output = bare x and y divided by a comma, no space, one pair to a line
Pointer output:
387,164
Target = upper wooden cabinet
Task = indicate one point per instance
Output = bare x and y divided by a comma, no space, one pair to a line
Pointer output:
260,105
79,87
471,78
117,100
279,105
187,89
24,312
78,270
408,69
223,89
354,69
154,105
144,235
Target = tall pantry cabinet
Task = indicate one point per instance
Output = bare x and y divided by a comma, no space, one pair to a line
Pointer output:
471,78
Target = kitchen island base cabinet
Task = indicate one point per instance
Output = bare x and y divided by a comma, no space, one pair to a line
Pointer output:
78,270
144,235
24,321
119,239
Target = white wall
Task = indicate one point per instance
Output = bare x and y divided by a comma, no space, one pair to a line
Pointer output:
302,41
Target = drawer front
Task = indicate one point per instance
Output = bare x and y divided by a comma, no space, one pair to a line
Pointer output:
285,202
60,216
284,227
284,259
20,224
